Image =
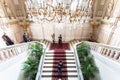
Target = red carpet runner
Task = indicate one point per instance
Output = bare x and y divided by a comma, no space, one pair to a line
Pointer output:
59,55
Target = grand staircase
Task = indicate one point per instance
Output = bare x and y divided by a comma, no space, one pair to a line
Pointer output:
51,59
107,59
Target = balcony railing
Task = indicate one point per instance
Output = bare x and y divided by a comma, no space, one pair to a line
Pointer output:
80,75
106,50
11,51
14,50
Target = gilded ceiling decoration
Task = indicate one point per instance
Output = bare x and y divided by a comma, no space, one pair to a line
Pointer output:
59,10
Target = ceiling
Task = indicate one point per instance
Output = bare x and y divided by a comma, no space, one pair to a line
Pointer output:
61,11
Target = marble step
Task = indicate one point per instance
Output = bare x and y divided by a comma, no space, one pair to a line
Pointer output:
56,65
69,74
59,55
59,60
55,69
67,58
67,52
68,78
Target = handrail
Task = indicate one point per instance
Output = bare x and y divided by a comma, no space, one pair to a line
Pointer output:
80,75
16,45
93,45
40,67
104,45
113,52
10,51
106,50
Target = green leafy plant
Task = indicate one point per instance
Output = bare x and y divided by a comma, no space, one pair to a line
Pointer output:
31,65
88,66
36,49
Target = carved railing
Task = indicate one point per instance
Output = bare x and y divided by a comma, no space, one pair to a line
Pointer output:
40,67
45,44
14,50
106,50
11,51
80,75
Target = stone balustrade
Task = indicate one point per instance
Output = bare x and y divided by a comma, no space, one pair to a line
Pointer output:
106,50
13,50
10,51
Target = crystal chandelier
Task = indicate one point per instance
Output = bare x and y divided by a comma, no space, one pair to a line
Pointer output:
59,10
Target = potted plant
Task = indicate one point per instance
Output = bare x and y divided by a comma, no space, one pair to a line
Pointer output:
86,59
31,65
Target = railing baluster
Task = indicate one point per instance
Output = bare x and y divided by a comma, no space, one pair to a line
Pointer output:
10,51
2,56
116,55
106,50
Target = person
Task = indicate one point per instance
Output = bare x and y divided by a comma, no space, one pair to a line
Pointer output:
53,38
60,40
59,70
25,37
7,40
60,66
60,63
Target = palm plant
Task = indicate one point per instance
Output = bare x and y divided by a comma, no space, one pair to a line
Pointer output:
83,50
87,62
31,65
88,68
88,71
36,49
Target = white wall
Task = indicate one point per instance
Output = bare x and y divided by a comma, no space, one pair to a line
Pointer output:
17,33
104,32
14,31
115,40
104,35
68,31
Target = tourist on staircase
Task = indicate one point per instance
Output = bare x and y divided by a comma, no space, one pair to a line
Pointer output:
60,63
25,37
7,40
53,38
60,40
60,66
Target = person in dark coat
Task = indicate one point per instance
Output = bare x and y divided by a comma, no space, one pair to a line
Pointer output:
7,40
60,40
59,70
60,63
25,37
60,66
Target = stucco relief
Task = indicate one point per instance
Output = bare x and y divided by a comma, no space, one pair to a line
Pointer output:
109,9
1,12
